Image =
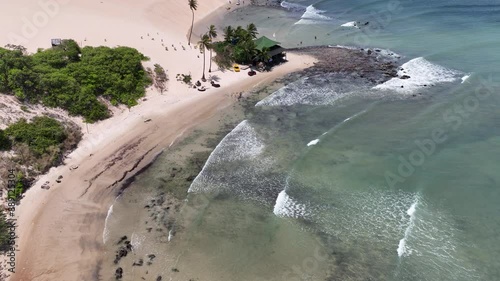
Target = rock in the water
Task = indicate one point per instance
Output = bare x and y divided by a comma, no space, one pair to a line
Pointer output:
122,239
119,273
138,263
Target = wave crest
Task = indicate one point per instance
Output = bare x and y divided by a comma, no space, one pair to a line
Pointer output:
419,73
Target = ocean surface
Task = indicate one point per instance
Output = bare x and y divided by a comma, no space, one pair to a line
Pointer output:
330,179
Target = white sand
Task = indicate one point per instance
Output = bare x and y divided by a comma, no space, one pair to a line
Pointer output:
60,229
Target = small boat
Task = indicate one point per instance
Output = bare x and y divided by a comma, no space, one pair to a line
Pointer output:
202,89
215,85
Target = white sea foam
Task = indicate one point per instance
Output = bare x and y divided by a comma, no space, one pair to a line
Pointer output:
313,142
403,250
306,22
105,232
287,207
350,24
313,13
243,142
292,6
422,73
412,209
401,247
136,240
312,16
465,77
322,92
343,47
235,165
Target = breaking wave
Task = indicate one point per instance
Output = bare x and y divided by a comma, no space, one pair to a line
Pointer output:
328,89
293,6
312,16
239,167
419,73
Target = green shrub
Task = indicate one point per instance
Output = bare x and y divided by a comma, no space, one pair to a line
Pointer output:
4,141
41,134
4,232
72,78
186,78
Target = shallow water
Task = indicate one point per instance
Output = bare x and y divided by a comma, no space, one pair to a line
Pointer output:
333,179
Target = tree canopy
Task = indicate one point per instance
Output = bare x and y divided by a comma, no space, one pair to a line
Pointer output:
238,46
74,79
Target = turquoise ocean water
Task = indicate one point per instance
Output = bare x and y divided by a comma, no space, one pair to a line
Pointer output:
336,180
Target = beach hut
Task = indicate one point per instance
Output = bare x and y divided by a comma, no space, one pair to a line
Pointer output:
55,42
276,52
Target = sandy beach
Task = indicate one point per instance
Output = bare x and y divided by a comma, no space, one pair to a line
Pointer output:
60,230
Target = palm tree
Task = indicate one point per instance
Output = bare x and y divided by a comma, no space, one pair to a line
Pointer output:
228,34
240,34
212,33
245,51
252,30
204,44
262,55
193,5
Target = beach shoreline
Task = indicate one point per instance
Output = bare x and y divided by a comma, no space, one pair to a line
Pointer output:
68,219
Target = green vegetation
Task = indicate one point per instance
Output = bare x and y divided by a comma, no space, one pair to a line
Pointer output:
41,143
4,141
24,108
4,232
186,78
160,78
238,46
40,135
22,184
75,79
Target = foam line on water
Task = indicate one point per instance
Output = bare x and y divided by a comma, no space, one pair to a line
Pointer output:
313,142
313,13
402,248
327,89
293,6
105,232
344,47
170,235
419,73
287,207
136,241
465,78
251,147
235,165
350,24
312,16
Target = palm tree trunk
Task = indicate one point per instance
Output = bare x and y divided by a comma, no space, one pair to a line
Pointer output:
210,67
191,32
203,77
